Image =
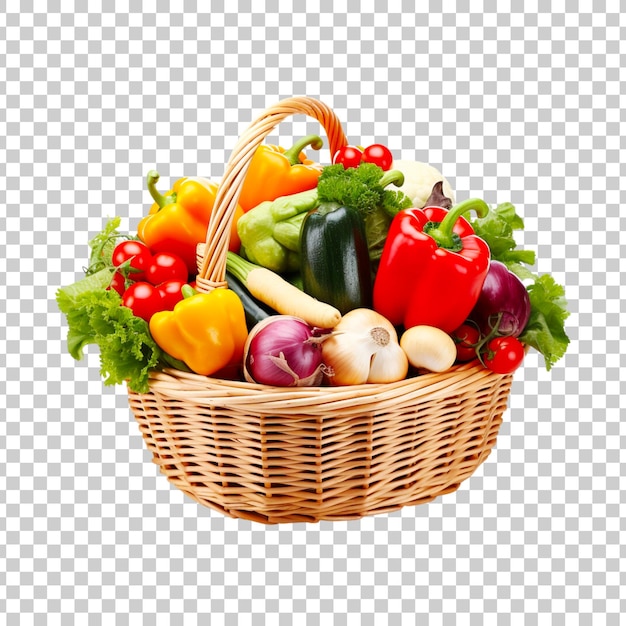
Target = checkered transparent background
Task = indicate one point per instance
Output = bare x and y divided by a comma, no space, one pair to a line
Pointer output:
516,102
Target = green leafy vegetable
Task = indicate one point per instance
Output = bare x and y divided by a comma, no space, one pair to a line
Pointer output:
95,316
127,350
98,281
545,330
497,229
361,188
102,246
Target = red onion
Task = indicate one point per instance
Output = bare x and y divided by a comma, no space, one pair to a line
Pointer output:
284,351
502,293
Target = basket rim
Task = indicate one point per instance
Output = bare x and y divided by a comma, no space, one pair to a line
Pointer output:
177,385
425,378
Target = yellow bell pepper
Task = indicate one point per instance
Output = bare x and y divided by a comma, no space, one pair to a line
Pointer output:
207,331
179,220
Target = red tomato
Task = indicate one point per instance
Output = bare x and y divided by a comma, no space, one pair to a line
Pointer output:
171,293
143,299
504,355
348,156
166,266
137,253
118,283
378,155
466,337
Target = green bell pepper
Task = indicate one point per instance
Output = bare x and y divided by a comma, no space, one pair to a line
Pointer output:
270,232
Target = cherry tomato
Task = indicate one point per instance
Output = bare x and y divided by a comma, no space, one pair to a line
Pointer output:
504,355
171,293
348,156
118,283
166,266
378,155
139,255
466,337
143,299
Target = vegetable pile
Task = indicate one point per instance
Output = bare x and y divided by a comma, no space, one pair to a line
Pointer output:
364,270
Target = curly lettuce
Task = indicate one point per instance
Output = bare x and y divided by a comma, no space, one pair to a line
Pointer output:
95,316
545,330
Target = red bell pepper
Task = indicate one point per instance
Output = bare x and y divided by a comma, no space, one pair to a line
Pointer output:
432,267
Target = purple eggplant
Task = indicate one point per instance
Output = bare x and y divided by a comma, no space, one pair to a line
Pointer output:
502,293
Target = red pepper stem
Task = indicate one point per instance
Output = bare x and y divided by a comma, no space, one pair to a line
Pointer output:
293,154
159,198
443,234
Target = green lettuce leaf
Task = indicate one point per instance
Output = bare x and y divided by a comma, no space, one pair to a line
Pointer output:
66,296
127,350
497,228
95,315
545,330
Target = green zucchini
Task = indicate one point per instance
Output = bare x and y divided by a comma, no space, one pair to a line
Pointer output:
334,258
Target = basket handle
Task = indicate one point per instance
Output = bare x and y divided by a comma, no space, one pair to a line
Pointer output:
212,255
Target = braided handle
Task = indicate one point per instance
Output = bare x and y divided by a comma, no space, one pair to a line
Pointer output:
212,255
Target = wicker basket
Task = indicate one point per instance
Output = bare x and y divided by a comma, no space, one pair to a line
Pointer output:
280,455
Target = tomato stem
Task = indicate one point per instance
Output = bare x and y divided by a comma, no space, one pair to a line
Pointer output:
494,332
98,253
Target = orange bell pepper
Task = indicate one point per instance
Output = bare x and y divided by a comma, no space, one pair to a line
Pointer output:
207,331
179,220
276,172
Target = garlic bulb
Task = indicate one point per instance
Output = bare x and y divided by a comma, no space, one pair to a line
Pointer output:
364,348
429,348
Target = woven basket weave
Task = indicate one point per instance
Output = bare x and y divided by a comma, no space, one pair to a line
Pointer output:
280,455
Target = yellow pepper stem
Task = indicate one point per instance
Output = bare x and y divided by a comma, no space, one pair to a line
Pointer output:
293,154
159,198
